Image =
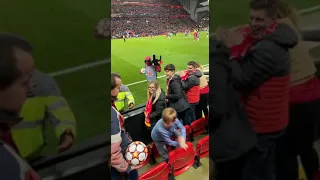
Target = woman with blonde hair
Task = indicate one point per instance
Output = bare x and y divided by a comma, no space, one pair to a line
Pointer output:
301,132
156,102
202,106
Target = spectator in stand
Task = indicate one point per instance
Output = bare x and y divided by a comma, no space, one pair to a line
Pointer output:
191,86
263,72
120,139
124,96
299,137
155,104
165,129
175,95
202,106
16,64
231,134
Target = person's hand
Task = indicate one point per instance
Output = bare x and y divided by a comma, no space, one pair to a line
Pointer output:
184,146
228,37
180,139
182,73
66,142
131,105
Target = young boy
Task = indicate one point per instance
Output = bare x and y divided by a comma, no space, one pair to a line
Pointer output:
166,128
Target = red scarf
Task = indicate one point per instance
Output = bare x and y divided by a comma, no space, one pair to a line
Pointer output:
147,112
187,74
238,51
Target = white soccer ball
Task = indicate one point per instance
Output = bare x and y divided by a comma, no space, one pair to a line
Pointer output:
142,70
136,153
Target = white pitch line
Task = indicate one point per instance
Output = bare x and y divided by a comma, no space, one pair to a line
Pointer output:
78,68
138,82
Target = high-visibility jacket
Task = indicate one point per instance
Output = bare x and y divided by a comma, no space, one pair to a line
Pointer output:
44,104
123,96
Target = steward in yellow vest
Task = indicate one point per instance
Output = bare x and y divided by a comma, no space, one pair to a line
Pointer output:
123,96
44,104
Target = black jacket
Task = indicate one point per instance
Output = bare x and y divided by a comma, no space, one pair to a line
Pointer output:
231,134
157,108
192,80
267,58
176,97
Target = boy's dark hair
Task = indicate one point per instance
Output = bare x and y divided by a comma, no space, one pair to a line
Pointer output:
113,79
170,67
192,63
270,6
9,71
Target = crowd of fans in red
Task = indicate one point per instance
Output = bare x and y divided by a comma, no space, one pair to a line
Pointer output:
149,17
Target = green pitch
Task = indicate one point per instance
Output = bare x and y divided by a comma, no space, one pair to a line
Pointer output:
128,58
61,32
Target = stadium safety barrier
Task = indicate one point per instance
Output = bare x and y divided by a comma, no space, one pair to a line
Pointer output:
69,165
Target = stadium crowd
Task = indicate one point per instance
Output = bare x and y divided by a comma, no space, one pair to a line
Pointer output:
152,18
162,2
151,25
136,11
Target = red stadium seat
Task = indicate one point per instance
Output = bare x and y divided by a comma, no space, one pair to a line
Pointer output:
155,152
316,176
202,147
160,172
199,126
189,136
202,150
181,159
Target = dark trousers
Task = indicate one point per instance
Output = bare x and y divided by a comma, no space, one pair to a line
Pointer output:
297,141
229,170
202,106
192,112
184,116
260,161
115,175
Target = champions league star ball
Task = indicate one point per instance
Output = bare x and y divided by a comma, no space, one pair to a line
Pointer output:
142,70
136,153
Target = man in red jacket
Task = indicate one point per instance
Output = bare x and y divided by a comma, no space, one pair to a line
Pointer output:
16,67
191,86
260,64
